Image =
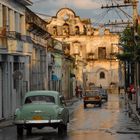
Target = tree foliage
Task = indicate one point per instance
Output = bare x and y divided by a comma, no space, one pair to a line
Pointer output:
130,45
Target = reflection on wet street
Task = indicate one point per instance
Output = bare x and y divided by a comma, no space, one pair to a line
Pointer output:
103,123
110,122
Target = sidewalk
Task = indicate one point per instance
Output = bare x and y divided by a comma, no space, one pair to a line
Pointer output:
9,122
132,109
6,123
71,101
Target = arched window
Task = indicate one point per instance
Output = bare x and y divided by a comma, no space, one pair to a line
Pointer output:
54,30
77,32
65,29
102,75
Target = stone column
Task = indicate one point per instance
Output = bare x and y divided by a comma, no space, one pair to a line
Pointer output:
1,16
17,23
22,25
1,22
12,20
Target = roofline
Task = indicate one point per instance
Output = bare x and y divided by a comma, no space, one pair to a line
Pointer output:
25,2
67,9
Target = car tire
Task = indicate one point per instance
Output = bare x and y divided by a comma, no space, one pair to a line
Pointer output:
19,130
85,105
62,129
107,99
68,119
100,104
29,130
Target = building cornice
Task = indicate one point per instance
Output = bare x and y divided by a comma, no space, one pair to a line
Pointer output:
25,2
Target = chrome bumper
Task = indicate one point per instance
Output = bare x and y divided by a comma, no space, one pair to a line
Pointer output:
37,121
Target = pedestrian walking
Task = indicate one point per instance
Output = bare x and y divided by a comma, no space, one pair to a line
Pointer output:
132,91
80,91
77,91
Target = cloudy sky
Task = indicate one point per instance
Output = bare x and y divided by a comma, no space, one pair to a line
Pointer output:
85,9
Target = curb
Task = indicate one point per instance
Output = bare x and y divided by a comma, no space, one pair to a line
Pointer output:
71,102
6,123
133,111
128,132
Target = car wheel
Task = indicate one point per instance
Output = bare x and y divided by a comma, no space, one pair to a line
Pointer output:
19,130
85,105
107,99
29,130
62,129
100,104
68,119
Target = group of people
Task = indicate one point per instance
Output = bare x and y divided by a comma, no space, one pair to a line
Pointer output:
78,91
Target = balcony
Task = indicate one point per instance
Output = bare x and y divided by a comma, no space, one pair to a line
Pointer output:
26,38
36,25
112,56
90,56
13,35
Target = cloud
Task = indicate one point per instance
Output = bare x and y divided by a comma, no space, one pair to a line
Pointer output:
85,4
50,7
80,4
83,8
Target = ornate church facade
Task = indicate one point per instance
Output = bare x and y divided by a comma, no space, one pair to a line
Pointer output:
94,51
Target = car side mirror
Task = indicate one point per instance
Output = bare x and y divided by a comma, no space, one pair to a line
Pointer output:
62,100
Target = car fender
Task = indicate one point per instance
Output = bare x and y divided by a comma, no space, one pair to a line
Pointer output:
64,114
17,113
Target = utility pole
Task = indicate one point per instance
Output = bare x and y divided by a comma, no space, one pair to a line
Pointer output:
137,64
134,4
119,6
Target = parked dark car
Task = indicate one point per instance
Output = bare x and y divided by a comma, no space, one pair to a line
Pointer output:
104,94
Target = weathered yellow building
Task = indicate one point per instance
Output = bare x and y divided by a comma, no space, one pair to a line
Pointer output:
93,51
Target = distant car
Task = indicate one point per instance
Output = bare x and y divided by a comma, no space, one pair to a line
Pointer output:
104,94
92,97
41,109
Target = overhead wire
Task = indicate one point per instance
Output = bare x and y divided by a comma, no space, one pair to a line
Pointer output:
102,16
116,11
126,14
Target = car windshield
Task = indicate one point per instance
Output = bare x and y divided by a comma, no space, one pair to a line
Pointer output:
92,93
103,91
40,98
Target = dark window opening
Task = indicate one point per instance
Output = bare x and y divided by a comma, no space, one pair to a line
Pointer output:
54,30
77,32
102,75
102,52
65,29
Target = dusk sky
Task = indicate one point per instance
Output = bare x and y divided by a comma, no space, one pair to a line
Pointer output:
84,8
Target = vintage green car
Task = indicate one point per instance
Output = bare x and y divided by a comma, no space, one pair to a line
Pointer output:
42,109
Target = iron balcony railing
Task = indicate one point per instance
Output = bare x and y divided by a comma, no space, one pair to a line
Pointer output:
13,35
17,36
